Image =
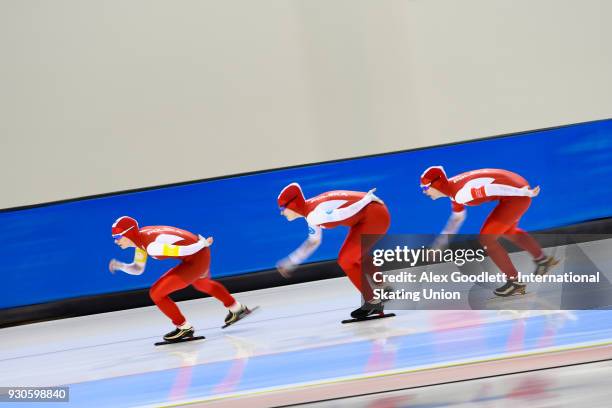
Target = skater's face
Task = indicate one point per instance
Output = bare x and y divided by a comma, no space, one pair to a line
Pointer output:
433,193
124,242
290,214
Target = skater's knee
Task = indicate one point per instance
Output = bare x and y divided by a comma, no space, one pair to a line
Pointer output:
203,285
153,294
488,239
156,294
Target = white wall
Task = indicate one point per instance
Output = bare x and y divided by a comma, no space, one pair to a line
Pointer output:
99,96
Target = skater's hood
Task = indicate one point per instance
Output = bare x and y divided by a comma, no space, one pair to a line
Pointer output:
127,227
292,197
435,177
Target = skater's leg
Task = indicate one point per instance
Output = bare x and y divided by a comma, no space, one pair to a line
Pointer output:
375,220
489,238
349,260
525,241
200,262
543,263
503,220
170,282
374,224
182,275
216,290
511,210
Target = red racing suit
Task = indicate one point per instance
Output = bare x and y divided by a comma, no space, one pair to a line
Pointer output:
163,242
362,213
514,196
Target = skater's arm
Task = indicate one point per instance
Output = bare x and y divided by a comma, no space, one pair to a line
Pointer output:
491,190
322,216
157,248
137,267
469,193
286,265
308,247
453,225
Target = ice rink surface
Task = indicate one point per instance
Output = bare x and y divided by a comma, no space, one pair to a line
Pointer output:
586,385
293,343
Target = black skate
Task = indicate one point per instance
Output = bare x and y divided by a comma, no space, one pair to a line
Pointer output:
232,317
511,288
179,336
545,265
368,311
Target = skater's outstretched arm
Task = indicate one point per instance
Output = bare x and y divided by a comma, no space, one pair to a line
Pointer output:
137,267
322,215
286,265
160,248
453,225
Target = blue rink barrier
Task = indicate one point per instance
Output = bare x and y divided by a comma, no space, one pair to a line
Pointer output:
62,250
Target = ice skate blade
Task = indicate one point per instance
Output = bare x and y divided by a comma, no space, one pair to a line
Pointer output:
161,343
553,263
513,296
236,321
372,317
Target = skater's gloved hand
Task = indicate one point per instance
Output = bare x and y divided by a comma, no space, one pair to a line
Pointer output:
114,265
209,240
534,192
285,267
374,198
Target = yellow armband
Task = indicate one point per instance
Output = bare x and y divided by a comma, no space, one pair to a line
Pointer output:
170,250
140,256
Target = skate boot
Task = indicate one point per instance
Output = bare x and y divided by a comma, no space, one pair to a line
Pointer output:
545,265
368,309
179,334
233,317
512,287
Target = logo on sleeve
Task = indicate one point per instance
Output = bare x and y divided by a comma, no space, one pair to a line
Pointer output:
478,192
311,231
